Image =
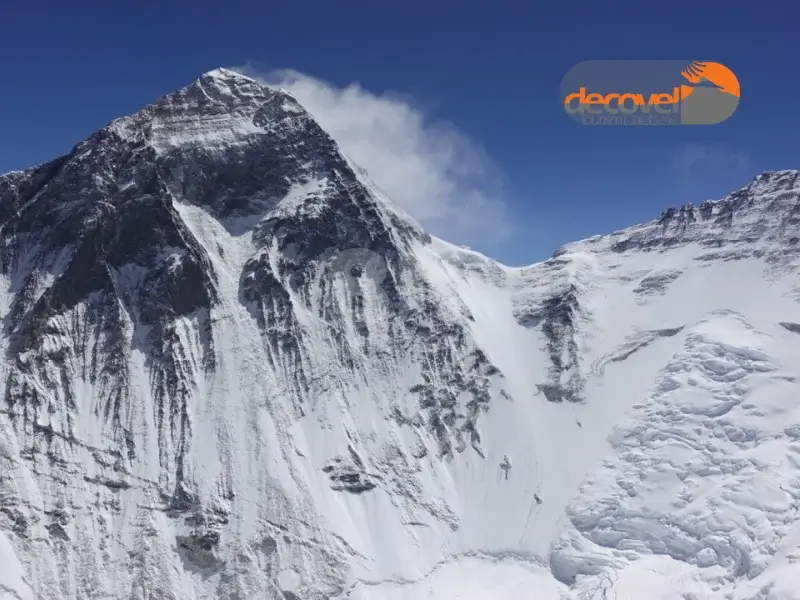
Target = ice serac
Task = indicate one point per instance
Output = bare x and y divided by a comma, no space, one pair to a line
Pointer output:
233,369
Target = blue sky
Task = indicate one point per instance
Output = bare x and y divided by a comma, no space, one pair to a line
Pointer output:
476,84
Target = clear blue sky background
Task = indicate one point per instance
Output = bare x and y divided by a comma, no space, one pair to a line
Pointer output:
491,68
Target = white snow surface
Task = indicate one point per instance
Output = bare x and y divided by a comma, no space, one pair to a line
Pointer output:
675,476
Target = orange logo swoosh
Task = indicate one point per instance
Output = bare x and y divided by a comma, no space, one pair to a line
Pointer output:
719,75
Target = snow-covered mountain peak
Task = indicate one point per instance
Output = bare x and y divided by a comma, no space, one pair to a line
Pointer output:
227,75
233,369
209,266
221,108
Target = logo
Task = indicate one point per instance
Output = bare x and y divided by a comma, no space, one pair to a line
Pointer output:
650,92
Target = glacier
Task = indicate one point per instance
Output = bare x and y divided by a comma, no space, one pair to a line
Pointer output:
234,369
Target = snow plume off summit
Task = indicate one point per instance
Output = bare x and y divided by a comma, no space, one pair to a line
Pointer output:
233,369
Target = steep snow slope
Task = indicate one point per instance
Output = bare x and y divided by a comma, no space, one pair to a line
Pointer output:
234,370
13,584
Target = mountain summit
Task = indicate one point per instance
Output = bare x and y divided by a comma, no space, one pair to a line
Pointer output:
233,369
